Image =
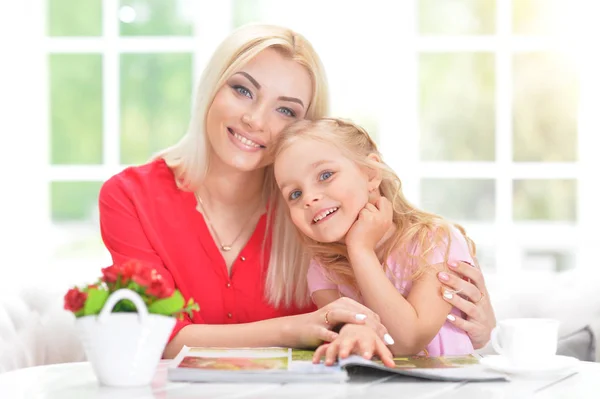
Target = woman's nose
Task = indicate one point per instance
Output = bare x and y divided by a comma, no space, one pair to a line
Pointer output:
254,119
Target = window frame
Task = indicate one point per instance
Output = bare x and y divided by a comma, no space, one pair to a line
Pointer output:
510,239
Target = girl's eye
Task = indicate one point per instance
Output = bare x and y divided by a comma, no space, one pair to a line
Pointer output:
287,112
325,175
243,91
294,195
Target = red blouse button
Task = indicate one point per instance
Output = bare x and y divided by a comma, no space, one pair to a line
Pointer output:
229,315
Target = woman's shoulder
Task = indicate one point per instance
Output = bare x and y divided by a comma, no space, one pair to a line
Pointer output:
154,176
141,183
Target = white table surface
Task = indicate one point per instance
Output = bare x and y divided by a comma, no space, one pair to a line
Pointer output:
77,381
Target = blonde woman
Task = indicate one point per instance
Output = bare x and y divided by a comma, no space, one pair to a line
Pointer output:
198,210
367,241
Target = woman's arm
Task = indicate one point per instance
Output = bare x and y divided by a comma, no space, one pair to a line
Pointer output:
123,235
301,331
291,331
413,321
480,317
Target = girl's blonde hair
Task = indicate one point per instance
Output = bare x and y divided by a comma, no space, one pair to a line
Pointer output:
417,233
189,158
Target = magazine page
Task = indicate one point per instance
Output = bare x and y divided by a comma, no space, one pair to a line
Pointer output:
442,368
248,365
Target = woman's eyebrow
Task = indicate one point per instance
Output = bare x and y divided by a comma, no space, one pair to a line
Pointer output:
292,99
258,86
250,78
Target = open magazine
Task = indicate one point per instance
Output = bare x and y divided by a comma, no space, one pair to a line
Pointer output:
292,365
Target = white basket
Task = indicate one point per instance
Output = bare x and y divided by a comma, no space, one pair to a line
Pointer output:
124,348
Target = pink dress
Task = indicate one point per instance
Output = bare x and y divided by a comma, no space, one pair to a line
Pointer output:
450,340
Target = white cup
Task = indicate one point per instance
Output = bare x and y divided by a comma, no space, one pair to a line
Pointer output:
526,342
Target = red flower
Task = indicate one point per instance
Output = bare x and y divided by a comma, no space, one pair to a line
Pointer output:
123,272
130,269
145,276
110,274
75,299
154,283
160,288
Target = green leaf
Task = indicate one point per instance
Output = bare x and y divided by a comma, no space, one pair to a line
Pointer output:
168,306
95,301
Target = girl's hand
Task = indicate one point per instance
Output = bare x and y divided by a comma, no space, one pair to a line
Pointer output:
311,329
373,221
356,339
480,317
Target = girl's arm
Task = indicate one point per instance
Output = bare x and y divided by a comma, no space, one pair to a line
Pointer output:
412,321
325,297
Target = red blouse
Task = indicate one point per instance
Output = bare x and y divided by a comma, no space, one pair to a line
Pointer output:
144,216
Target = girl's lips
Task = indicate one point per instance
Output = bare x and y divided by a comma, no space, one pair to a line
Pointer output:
328,213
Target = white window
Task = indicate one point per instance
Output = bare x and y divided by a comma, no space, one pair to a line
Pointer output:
485,109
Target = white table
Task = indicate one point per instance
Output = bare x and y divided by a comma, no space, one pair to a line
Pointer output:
77,381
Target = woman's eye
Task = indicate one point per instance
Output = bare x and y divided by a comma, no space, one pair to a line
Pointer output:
243,91
294,195
325,175
287,112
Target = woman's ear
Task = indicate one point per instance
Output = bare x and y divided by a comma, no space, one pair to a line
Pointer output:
374,173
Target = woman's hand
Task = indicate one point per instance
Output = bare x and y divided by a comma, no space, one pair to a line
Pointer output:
354,339
373,221
474,301
311,329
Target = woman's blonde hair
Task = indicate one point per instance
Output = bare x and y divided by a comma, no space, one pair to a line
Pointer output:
417,233
189,158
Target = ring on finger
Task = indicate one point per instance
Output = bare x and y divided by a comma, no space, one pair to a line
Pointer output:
326,317
480,298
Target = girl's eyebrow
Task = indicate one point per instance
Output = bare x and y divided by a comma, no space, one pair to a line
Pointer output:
312,166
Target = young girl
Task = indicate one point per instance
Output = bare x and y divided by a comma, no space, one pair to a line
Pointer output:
367,242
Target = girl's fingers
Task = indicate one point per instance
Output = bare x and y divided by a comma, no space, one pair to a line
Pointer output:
370,207
384,354
346,347
384,205
319,353
366,348
326,335
331,353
